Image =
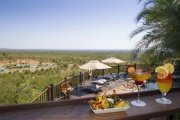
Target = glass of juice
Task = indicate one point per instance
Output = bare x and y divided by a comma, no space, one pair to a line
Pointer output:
139,77
164,85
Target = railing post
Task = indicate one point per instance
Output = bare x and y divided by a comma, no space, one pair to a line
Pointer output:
118,68
48,94
80,78
60,92
52,91
135,66
85,75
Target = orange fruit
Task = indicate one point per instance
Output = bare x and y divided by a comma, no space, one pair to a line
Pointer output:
162,72
131,70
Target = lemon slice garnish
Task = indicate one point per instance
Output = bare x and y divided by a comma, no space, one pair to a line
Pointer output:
162,72
170,67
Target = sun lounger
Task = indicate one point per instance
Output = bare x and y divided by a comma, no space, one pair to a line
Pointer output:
100,81
85,90
91,89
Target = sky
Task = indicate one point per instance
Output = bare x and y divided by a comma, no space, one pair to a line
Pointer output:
68,24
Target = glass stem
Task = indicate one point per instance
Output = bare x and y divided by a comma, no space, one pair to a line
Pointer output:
139,87
163,96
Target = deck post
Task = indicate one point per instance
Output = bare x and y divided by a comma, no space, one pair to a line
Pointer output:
60,93
118,68
135,65
52,91
80,78
48,93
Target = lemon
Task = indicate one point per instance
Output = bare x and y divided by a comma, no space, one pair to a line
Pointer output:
162,72
170,67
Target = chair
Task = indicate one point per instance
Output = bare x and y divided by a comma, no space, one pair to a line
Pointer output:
65,89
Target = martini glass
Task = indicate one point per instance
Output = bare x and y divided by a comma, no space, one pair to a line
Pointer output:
139,77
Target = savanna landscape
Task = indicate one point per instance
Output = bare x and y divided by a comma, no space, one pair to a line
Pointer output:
26,73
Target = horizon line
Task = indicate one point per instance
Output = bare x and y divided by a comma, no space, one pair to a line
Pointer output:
67,49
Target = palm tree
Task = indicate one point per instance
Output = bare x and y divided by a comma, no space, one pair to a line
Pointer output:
161,22
177,1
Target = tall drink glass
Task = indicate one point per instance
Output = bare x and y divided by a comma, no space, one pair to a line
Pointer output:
139,77
164,85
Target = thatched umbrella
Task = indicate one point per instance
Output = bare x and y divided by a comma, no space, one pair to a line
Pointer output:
112,60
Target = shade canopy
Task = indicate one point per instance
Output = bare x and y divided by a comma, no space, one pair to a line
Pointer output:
112,60
94,64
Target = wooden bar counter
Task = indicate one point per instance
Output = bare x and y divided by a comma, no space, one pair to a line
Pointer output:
80,110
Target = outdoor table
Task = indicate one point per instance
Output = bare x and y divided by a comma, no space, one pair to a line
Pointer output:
80,110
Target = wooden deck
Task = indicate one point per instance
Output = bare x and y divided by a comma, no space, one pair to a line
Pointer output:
78,109
121,86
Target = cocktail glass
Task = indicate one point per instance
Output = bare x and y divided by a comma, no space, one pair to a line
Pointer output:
139,77
164,85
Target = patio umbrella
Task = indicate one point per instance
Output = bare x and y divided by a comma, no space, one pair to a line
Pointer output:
112,60
93,65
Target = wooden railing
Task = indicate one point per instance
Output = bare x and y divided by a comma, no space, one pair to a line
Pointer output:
58,109
43,97
53,91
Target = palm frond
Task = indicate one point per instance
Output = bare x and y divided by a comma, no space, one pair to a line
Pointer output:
161,25
142,29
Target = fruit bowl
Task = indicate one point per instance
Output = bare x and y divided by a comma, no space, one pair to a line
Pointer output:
108,104
110,110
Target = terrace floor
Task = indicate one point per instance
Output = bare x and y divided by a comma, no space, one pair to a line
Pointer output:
121,86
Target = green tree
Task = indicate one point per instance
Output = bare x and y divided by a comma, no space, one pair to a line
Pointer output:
161,23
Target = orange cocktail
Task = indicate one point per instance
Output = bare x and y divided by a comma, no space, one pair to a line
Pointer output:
164,85
164,81
139,77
